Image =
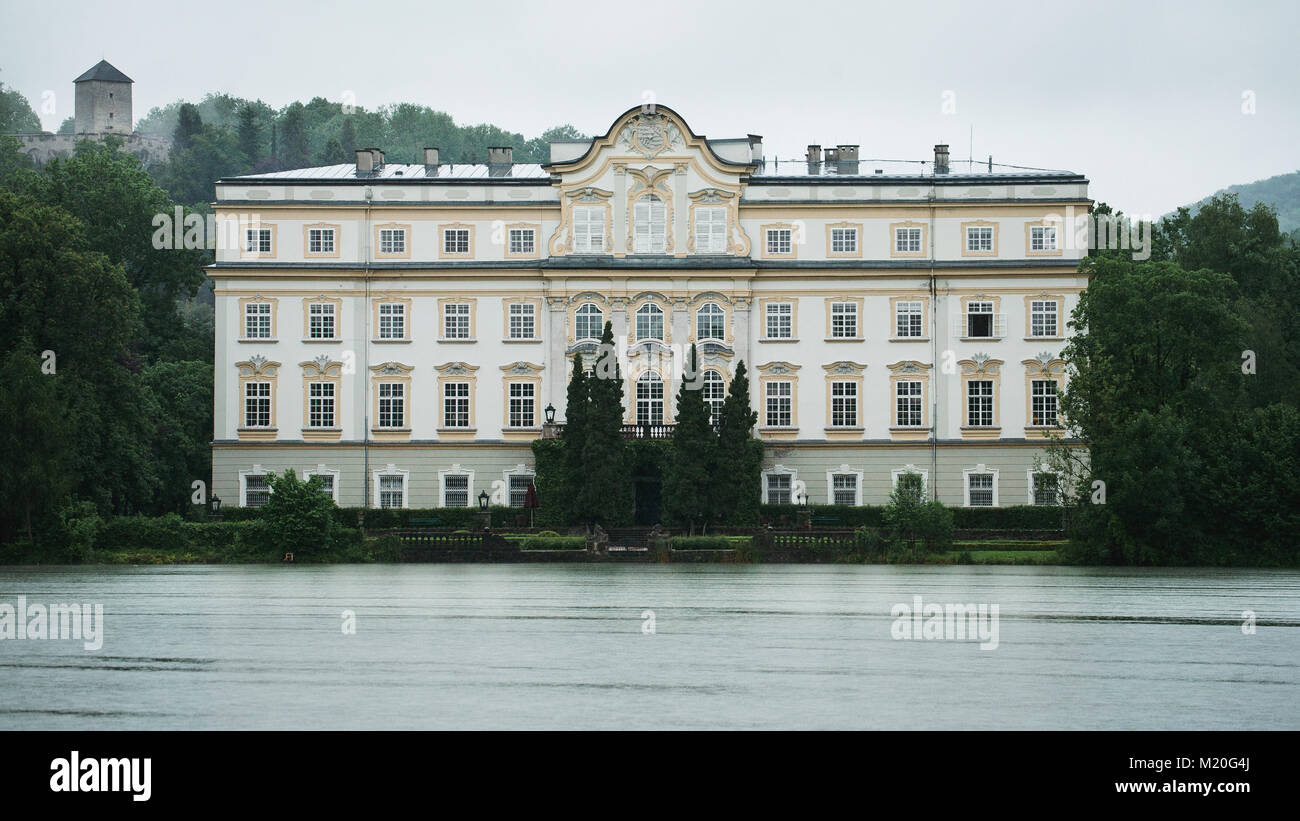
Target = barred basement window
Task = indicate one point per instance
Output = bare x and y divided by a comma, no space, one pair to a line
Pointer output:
780,320
908,319
981,489
1045,489
320,317
455,491
320,240
1043,402
392,240
979,403
780,412
778,489
522,405
320,409
392,320
588,322
844,404
256,491
392,490
907,240
326,484
257,320
844,489
522,241
392,404
455,241
908,404
456,320
257,404
1042,317
519,489
455,404
779,240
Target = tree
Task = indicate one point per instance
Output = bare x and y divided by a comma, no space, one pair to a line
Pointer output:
690,483
299,515
606,488
348,139
295,152
188,125
332,153
16,114
739,457
574,437
912,521
249,135
36,465
179,395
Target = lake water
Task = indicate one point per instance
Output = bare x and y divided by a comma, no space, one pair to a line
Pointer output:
734,646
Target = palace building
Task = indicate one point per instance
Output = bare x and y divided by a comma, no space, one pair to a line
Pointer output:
404,329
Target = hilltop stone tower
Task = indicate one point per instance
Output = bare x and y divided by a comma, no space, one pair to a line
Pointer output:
103,101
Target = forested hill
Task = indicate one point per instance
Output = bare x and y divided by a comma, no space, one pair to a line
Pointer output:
1281,192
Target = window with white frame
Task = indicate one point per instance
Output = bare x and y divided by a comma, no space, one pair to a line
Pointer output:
715,395
257,320
455,320
844,404
522,240
779,240
320,320
588,322
588,229
1042,238
320,404
710,229
392,404
907,399
257,404
523,320
320,240
1042,317
455,490
844,240
844,320
649,225
979,238
257,240
1046,490
909,319
392,240
780,404
979,319
779,486
392,320
907,240
523,404
780,320
844,489
455,240
1042,402
649,322
710,321
979,403
649,399
392,490
257,491
455,404
326,483
519,484
979,489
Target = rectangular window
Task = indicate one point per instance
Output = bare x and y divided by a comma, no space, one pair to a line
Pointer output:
523,320
257,491
257,320
1042,238
844,240
778,489
392,404
455,320
588,229
779,240
907,240
522,405
320,405
844,489
844,320
392,320
979,319
844,404
326,483
979,403
1042,317
519,489
780,320
908,318
455,490
523,241
780,408
257,404
392,490
320,240
1045,489
1043,402
979,238
320,320
649,226
455,241
392,240
257,240
981,489
455,404
711,229
908,403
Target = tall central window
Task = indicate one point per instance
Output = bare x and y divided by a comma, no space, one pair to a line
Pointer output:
650,225
588,229
710,321
649,322
649,399
588,322
715,394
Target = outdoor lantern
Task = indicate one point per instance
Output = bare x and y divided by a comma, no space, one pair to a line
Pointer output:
803,500
550,414
215,502
482,500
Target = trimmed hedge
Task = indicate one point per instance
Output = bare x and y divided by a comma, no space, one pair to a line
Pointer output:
390,518
707,542
1015,517
554,543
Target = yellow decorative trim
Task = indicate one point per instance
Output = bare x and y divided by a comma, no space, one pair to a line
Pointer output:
307,302
537,319
857,241
575,303
562,241
442,318
650,181
257,369
243,318
979,224
997,311
384,299
306,240
924,299
536,228
321,370
457,373
710,298
795,239
778,372
635,372
736,241
526,372
851,372
245,227
1060,316
763,302
858,302
909,370
981,369
659,301
395,373
1058,224
924,251
443,253
1043,369
407,237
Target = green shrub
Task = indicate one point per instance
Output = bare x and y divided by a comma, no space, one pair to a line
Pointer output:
1015,517
541,542
916,525
705,542
299,516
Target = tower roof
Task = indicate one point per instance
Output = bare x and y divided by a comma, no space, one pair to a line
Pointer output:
104,71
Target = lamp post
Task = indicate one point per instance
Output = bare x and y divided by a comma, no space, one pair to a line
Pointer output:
214,505
483,509
550,414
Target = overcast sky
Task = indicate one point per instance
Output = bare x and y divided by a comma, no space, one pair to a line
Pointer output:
1144,98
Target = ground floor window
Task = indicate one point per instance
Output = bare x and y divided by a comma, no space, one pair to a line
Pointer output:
519,489
979,488
455,490
844,489
1045,489
257,491
778,489
392,490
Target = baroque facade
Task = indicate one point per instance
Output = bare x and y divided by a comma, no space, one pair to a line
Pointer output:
403,329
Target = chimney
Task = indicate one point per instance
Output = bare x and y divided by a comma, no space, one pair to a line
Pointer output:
814,158
365,162
431,160
941,159
847,157
831,161
500,159
756,148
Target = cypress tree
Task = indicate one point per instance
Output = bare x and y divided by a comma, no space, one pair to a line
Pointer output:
250,140
574,438
690,484
606,488
740,455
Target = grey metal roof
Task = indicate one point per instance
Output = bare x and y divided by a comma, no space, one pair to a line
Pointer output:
395,172
105,72
889,171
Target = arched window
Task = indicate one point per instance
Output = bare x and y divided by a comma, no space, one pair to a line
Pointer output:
650,225
710,322
649,399
649,322
715,393
589,322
